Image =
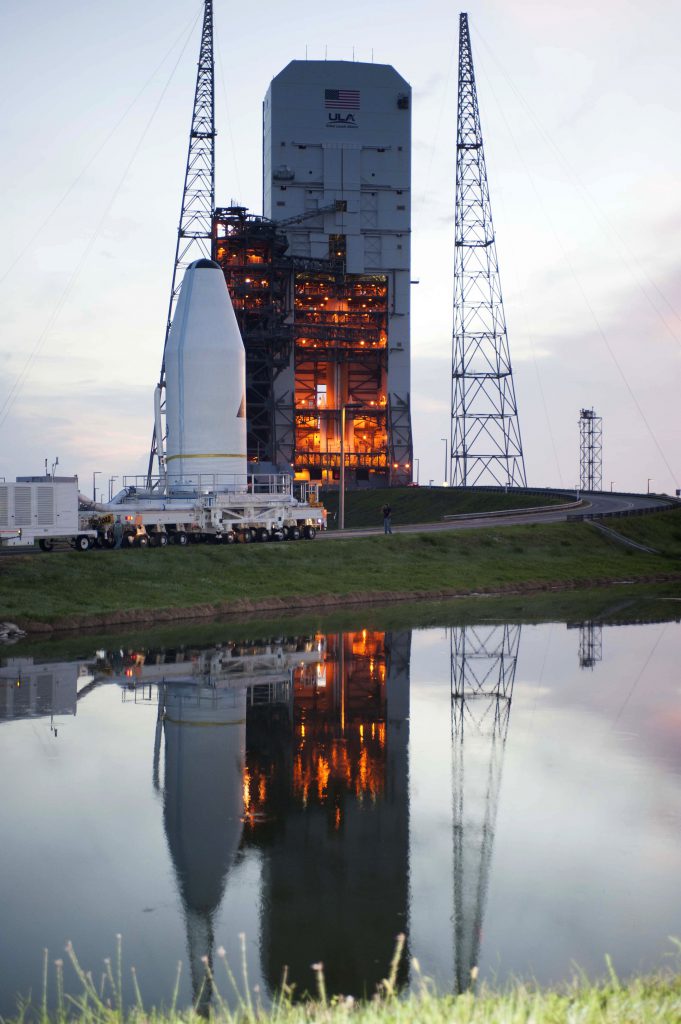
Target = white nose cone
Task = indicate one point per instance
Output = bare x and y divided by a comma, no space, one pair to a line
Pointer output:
205,367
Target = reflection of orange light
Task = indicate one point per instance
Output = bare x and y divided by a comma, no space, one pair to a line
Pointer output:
323,772
247,789
337,819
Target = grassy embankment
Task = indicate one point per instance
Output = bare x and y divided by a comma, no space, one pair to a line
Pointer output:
661,531
123,586
427,504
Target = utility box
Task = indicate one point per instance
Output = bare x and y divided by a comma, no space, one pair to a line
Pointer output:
36,507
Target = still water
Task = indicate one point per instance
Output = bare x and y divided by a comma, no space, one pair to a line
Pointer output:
507,796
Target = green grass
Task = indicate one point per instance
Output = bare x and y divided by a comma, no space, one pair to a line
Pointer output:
641,999
427,504
70,587
661,530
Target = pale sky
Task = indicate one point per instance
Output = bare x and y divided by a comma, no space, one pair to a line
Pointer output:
580,116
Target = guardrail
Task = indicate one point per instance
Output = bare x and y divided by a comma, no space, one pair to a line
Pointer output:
514,511
672,504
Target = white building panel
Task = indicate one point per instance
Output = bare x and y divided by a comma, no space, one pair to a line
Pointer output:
339,133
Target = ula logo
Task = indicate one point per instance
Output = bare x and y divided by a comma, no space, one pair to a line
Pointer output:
346,119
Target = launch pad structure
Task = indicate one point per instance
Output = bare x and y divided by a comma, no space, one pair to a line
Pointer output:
320,286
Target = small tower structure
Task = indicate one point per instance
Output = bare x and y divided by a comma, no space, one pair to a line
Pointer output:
194,232
590,644
485,437
590,450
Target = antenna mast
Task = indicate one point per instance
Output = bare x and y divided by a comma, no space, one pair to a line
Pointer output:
194,232
486,447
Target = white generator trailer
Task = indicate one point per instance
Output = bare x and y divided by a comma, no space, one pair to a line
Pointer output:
260,508
42,509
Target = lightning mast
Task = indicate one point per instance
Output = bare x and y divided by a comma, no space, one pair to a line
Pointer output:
485,438
196,213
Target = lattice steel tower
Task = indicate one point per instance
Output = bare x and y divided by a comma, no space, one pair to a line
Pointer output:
483,666
590,450
198,195
485,441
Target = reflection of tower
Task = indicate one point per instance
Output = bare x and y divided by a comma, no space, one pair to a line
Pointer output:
483,664
590,644
329,809
205,738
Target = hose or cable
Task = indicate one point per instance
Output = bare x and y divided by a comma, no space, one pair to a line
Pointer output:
228,118
630,262
16,387
44,221
586,301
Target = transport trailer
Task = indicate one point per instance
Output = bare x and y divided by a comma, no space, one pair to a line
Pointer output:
259,508
263,507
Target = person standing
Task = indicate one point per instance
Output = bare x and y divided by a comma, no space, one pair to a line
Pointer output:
118,532
387,519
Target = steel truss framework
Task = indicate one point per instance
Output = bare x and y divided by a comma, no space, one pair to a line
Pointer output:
483,666
198,194
590,644
590,451
251,253
486,447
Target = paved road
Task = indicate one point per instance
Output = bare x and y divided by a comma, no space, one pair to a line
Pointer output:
593,503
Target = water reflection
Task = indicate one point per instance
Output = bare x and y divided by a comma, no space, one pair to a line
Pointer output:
327,804
30,689
307,759
590,644
483,667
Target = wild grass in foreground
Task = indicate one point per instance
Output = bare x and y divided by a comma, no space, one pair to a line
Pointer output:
642,999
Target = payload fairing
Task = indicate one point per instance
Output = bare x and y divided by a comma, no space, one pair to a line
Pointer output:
205,385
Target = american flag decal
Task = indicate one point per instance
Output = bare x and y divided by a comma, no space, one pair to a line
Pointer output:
341,99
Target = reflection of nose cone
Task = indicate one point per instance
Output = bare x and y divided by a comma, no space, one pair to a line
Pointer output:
205,735
205,367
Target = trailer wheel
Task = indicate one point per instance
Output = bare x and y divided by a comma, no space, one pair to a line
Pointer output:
181,538
229,537
293,533
310,532
277,534
264,535
82,543
45,544
245,536
142,541
109,542
162,540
